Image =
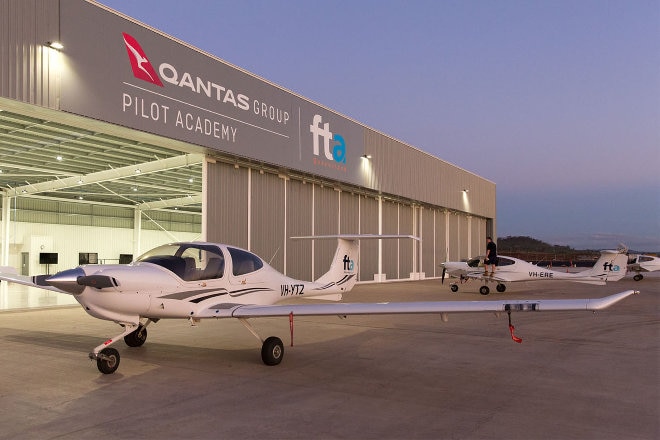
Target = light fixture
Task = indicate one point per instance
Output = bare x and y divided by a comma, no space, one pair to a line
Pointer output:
55,45
80,181
366,156
190,180
59,158
466,191
138,171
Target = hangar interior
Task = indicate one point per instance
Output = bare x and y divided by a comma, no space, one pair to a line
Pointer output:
93,190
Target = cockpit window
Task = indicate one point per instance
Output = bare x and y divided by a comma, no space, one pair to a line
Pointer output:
244,262
501,261
644,259
189,261
474,262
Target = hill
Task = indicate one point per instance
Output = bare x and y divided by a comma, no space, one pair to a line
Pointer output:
531,249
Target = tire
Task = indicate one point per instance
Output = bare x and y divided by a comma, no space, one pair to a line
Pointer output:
484,290
638,277
454,288
501,287
108,360
137,337
272,351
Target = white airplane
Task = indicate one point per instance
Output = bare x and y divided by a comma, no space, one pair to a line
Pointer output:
195,281
643,263
611,266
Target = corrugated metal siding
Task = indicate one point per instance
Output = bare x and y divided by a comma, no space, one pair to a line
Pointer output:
478,237
226,204
390,247
326,222
299,223
401,170
464,251
80,214
428,252
368,248
454,254
267,218
406,246
349,220
441,236
31,73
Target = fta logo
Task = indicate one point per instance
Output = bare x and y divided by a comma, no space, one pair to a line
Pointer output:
611,267
336,151
142,68
348,263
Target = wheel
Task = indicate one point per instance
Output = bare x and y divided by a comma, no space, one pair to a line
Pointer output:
454,288
108,360
638,277
484,290
501,287
272,351
137,337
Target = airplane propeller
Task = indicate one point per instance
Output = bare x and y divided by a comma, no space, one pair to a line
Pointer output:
444,270
74,281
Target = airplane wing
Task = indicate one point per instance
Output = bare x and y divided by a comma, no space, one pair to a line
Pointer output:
9,273
433,307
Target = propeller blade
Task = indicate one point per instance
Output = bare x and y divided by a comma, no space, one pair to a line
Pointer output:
98,281
444,269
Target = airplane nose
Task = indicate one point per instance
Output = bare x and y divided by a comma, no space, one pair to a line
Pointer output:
67,280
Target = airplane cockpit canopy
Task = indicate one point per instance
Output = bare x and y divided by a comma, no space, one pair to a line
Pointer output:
244,262
188,261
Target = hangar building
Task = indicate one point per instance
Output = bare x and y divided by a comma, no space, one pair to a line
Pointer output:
116,138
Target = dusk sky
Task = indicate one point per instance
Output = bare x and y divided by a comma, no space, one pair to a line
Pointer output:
557,102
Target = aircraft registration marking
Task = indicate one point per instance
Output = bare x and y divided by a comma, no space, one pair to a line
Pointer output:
541,274
291,289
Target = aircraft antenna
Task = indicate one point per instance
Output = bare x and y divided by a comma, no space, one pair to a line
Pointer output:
273,257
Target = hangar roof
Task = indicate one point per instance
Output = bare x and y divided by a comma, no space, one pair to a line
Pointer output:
55,155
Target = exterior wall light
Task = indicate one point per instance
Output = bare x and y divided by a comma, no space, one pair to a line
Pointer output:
55,45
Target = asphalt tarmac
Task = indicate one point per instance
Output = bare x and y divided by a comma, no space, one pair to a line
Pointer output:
577,375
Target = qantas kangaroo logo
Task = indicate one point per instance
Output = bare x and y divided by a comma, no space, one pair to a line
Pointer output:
142,68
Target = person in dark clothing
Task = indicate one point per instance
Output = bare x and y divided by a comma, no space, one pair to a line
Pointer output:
491,256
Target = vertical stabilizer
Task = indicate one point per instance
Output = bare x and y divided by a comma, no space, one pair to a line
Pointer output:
611,266
343,271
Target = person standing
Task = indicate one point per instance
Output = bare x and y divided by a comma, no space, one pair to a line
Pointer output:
491,256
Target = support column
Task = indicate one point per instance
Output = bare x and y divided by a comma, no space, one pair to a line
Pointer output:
6,221
380,276
137,232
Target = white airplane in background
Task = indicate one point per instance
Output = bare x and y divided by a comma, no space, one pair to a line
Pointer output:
195,281
611,266
643,263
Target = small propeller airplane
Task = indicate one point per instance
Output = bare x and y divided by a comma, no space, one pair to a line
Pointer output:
611,266
195,281
643,263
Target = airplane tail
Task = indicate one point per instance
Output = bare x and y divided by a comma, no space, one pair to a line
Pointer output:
611,266
342,275
343,271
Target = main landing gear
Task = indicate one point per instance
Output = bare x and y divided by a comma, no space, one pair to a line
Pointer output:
484,290
638,277
272,349
107,358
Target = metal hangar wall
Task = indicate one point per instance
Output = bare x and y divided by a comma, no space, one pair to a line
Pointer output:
268,164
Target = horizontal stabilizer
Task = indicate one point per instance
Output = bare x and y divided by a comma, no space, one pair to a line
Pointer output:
355,237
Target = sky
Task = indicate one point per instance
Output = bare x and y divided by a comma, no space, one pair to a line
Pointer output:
557,102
